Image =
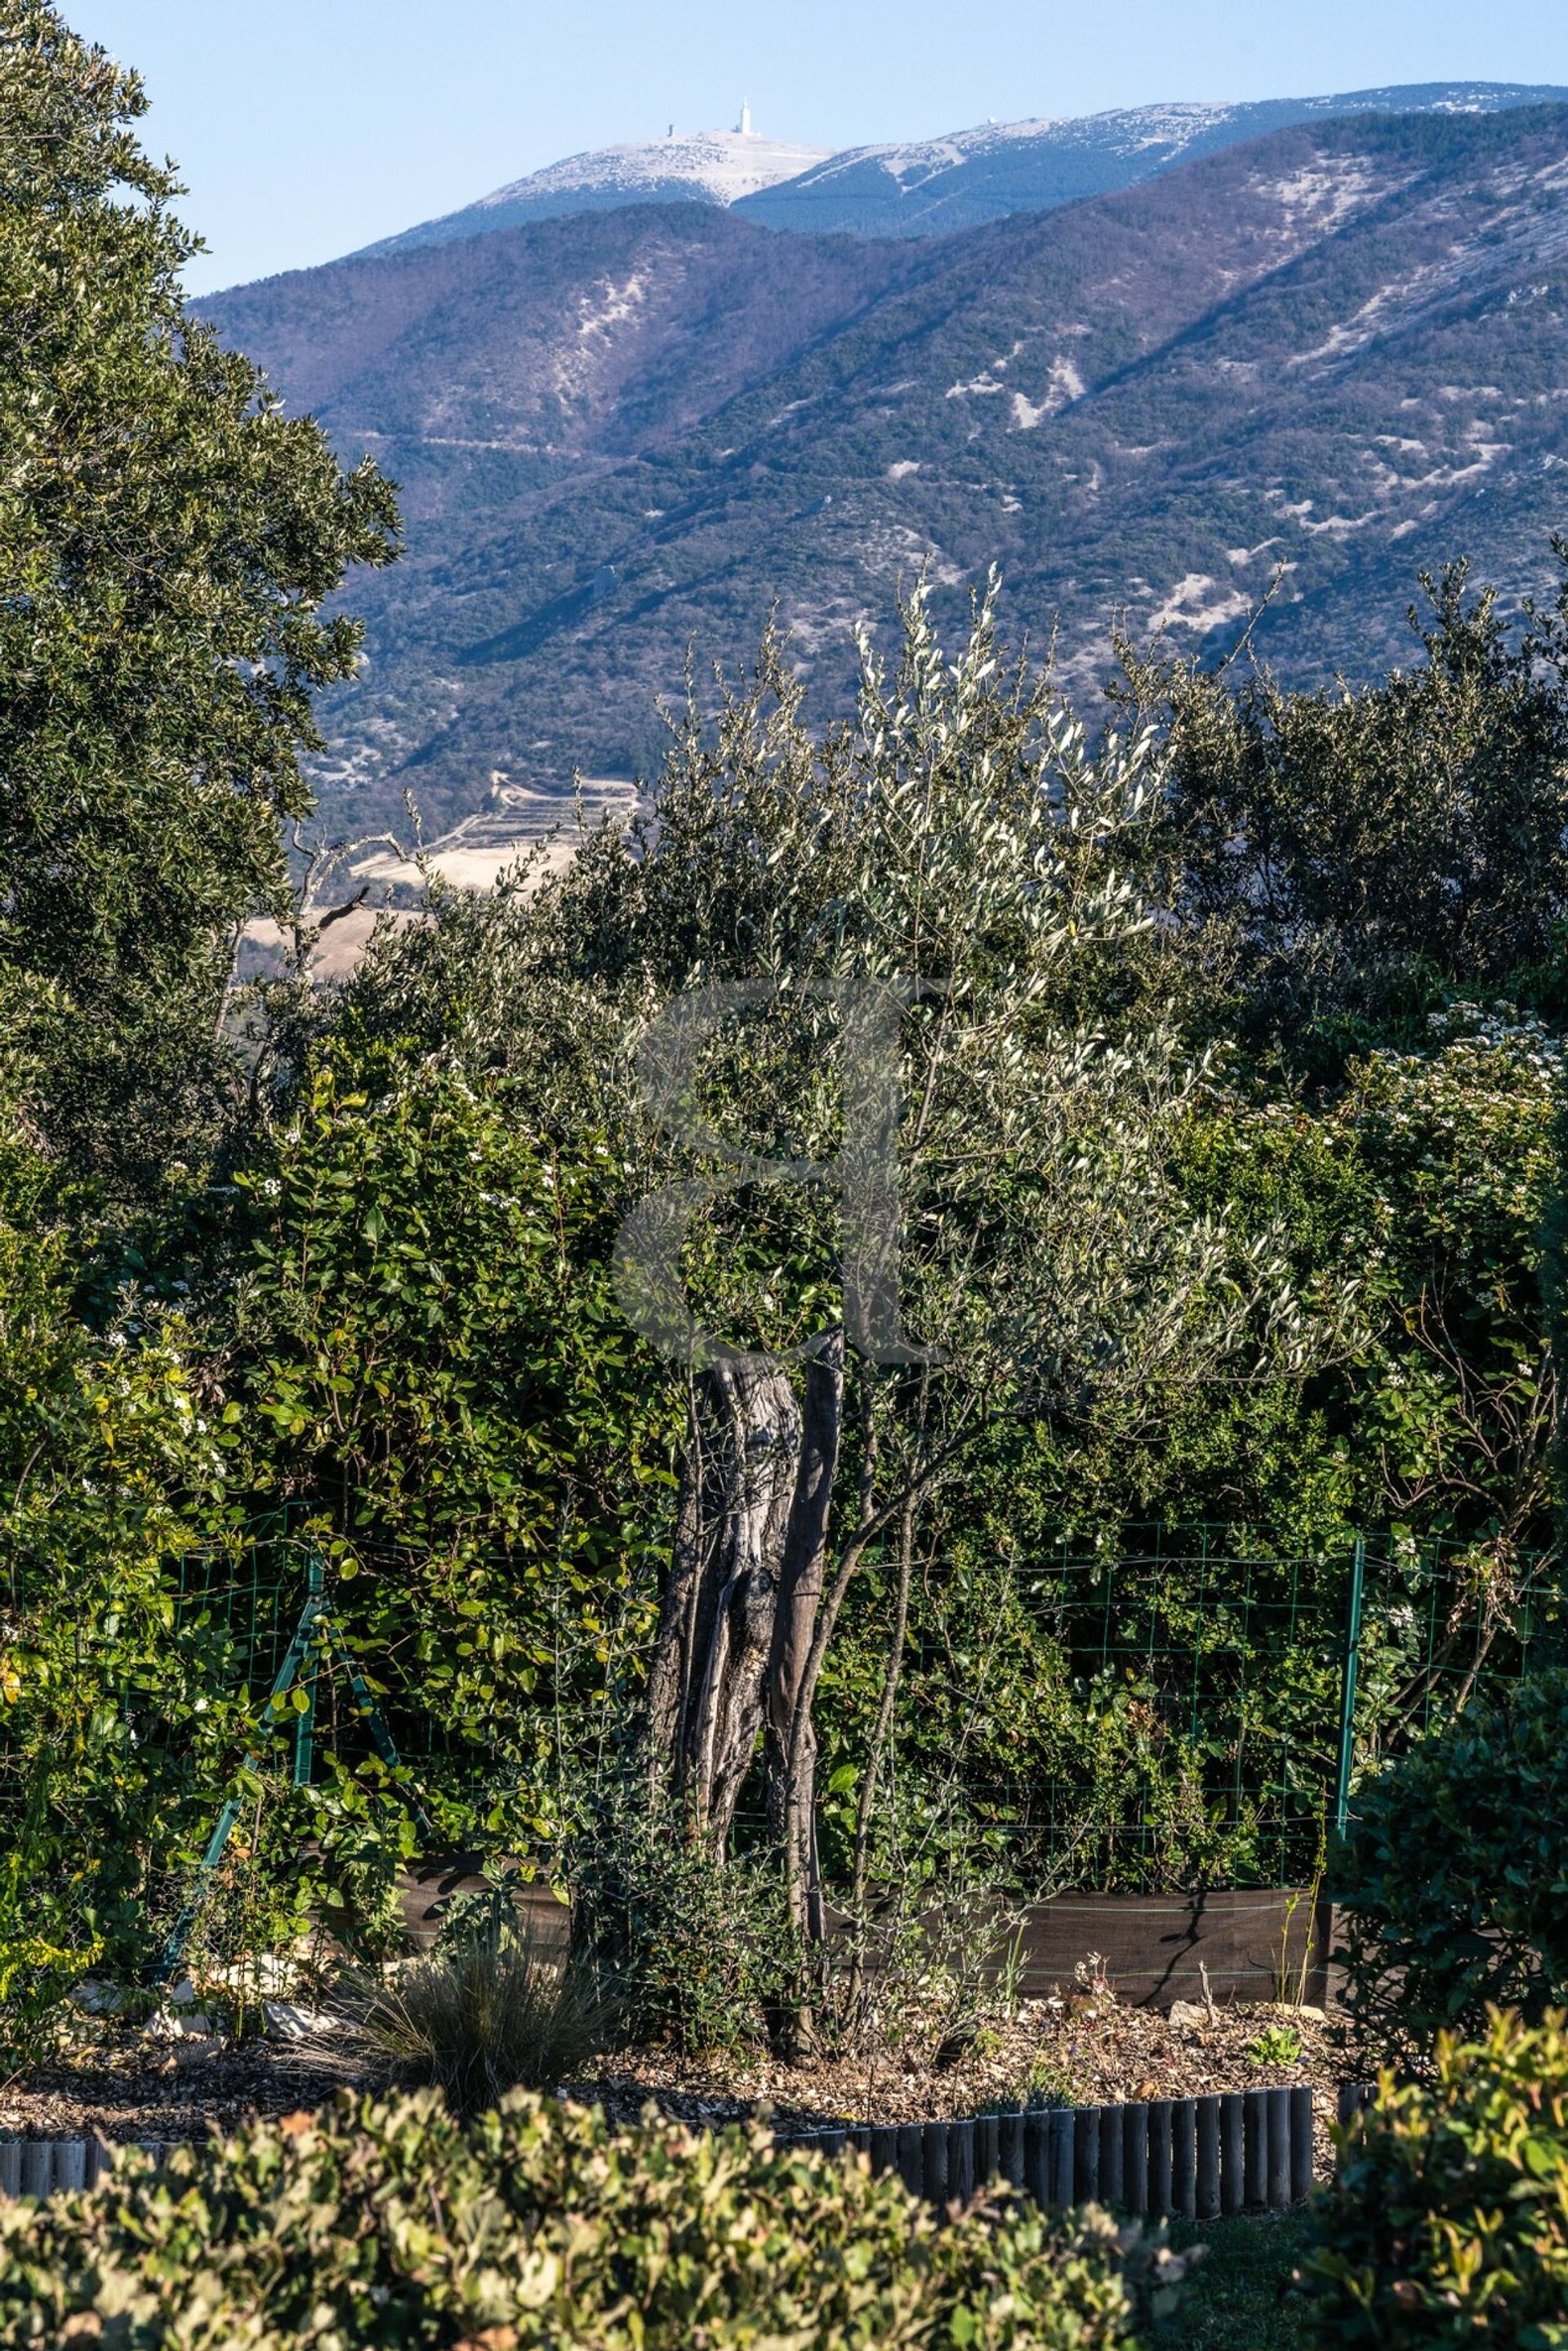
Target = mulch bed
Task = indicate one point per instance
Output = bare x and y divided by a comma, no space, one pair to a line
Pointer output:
1088,2053
137,2093
1095,2054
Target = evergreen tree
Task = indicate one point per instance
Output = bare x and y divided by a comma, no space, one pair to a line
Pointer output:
168,540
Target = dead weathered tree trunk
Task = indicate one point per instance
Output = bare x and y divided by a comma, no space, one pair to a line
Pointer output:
745,1589
707,1689
750,1610
790,1810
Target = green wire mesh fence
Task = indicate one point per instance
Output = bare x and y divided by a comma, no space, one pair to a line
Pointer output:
1178,1703
1187,1704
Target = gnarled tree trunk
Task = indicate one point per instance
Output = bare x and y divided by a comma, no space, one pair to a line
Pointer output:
743,1598
791,1809
706,1689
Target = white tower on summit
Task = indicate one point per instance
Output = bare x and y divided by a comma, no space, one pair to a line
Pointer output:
743,126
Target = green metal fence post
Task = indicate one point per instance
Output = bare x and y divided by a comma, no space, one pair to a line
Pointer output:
298,1649
305,1720
1347,1686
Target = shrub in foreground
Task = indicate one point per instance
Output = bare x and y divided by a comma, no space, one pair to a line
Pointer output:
1450,2224
1453,1885
387,2224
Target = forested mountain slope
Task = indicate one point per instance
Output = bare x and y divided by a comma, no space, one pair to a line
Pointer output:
1340,352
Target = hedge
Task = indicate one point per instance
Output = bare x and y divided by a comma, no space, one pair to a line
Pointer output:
1449,2224
388,2224
1453,1884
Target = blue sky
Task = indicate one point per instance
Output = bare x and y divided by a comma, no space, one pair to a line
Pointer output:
307,127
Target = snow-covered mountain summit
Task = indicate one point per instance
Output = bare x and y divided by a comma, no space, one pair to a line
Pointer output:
707,167
928,187
925,187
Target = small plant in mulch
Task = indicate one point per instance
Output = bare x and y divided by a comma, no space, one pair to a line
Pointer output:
1045,2083
1277,2044
1090,1995
701,1954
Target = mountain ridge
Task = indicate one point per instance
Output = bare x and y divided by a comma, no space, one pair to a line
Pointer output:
938,186
925,187
1340,352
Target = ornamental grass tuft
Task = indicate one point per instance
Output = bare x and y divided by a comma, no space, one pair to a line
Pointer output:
487,2017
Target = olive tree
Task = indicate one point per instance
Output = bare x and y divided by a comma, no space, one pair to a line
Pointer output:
905,1166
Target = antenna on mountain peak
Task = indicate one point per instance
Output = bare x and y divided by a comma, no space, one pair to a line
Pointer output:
743,127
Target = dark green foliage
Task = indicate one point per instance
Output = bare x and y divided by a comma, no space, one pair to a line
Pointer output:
424,1339
1085,1664
1453,1884
1450,2224
403,1330
111,1471
426,1348
168,538
700,1954
1308,1300
1553,1275
385,2226
1367,851
1410,1197
1076,1721
419,1370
